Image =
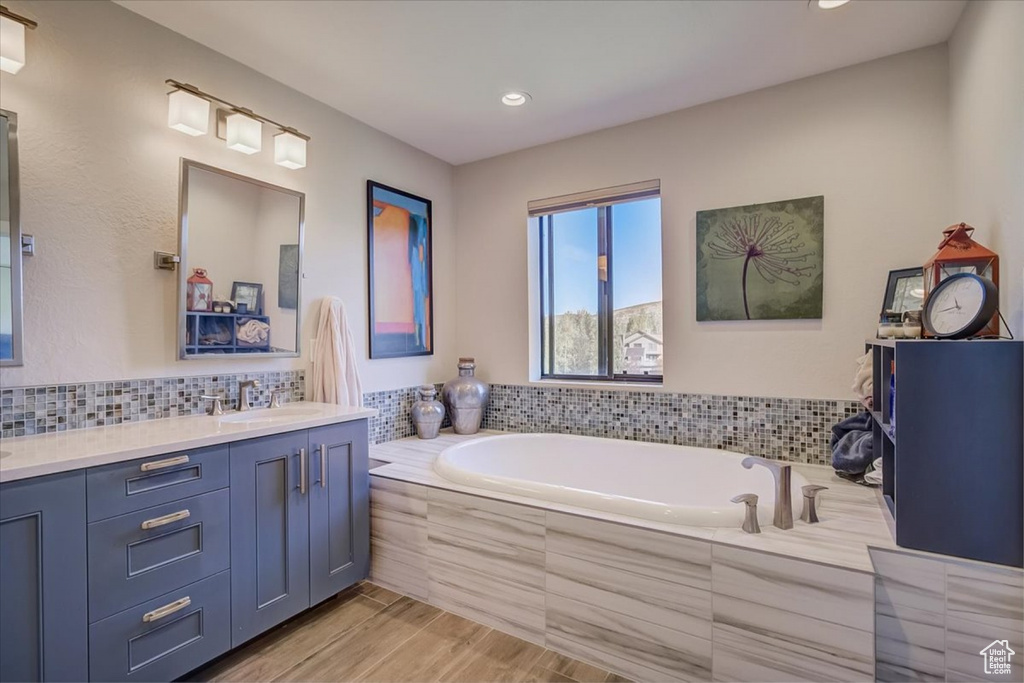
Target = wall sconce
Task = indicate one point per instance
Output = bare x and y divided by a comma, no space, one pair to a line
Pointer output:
244,133
289,149
188,111
12,40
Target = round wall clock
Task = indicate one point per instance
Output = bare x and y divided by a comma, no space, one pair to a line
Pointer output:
960,306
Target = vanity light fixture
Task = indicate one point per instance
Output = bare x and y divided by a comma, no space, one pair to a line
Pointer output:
12,40
515,98
188,111
244,133
289,149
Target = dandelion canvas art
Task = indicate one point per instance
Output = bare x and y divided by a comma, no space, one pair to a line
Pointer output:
762,261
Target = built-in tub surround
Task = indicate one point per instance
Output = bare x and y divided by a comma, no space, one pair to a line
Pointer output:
671,484
655,602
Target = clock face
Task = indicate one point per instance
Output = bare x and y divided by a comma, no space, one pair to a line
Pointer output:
955,306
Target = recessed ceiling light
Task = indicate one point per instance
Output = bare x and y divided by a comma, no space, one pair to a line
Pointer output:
515,98
831,4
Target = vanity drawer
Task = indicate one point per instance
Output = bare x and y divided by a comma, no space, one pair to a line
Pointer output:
135,557
129,486
166,637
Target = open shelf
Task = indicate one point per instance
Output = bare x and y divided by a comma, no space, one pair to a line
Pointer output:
952,471
196,321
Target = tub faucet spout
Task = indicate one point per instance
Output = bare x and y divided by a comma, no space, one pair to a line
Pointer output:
783,517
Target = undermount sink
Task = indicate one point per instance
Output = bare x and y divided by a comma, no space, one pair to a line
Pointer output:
268,415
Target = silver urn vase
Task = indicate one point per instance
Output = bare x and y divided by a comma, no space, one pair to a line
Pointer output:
466,398
427,413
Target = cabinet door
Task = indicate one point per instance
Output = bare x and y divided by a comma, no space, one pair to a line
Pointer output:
43,585
269,533
339,513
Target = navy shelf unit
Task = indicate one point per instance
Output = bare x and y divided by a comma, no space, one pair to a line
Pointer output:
193,321
953,470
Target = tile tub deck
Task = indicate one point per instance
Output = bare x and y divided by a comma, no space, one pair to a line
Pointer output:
853,518
651,601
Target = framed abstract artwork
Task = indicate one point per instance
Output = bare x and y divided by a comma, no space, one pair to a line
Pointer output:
400,272
761,261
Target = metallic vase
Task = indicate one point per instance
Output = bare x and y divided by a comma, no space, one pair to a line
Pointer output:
427,413
466,398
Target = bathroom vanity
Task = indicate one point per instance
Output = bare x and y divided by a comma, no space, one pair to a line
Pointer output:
142,551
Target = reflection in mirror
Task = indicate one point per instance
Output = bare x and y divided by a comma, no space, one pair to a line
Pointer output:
241,255
10,243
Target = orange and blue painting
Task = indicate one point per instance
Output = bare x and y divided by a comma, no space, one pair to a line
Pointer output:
401,312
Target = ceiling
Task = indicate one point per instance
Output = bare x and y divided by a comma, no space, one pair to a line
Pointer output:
431,73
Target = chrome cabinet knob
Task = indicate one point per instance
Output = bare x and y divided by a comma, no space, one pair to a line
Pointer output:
750,524
810,513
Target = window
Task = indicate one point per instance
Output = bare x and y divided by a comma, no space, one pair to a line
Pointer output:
600,288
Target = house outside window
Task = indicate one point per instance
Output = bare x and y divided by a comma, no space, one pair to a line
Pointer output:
600,284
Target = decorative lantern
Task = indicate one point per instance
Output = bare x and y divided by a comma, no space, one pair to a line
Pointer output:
958,253
199,296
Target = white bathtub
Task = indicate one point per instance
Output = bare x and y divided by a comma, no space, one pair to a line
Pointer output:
674,484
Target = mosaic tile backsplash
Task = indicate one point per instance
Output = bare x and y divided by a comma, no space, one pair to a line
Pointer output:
791,429
394,421
781,428
60,407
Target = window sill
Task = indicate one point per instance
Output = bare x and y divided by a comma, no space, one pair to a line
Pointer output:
622,385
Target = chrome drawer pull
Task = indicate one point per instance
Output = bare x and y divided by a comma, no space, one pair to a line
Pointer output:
323,465
302,471
168,609
161,464
166,519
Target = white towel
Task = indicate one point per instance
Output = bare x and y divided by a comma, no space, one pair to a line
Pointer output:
335,375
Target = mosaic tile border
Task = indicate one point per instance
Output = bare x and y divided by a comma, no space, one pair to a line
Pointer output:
60,407
394,421
793,429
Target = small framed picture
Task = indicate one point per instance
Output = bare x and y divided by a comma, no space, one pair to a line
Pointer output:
904,291
250,294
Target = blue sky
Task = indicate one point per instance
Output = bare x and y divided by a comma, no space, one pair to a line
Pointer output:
636,256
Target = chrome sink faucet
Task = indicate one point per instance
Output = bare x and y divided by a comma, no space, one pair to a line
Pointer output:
783,517
243,393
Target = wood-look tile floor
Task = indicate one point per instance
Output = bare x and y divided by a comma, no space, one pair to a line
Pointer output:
370,633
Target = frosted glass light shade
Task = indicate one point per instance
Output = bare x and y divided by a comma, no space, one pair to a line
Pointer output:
12,45
289,150
244,134
188,113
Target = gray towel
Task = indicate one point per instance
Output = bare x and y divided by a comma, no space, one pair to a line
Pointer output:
851,444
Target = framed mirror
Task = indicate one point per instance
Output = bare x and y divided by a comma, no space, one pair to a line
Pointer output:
11,340
240,276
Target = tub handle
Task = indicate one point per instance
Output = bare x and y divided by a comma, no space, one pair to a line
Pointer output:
810,513
750,524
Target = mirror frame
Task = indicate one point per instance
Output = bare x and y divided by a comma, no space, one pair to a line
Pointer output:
17,255
186,166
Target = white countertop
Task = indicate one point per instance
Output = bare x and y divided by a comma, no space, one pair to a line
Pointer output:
33,456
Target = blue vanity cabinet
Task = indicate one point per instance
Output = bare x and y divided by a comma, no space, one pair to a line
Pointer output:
269,532
299,522
339,504
43,580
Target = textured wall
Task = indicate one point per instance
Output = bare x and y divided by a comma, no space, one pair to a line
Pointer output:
872,138
986,64
100,193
